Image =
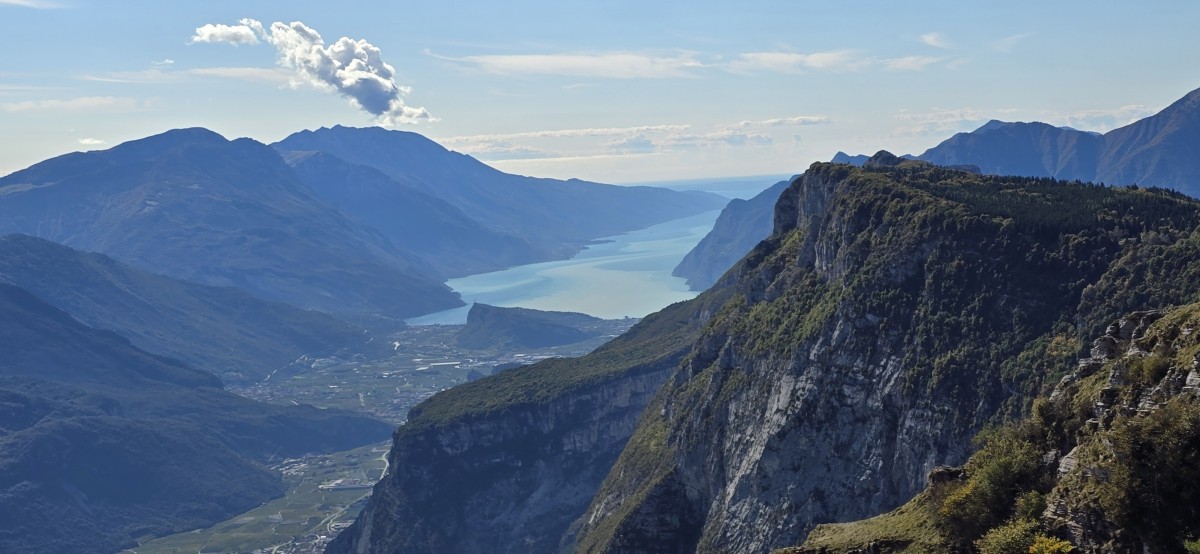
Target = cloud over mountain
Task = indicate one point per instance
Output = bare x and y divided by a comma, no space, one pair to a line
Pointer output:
353,68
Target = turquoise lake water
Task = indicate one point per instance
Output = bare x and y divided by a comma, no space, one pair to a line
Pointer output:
629,275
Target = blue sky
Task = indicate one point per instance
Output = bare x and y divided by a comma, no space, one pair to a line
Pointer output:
613,91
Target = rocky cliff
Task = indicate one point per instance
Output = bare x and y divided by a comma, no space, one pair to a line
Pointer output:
506,463
1105,463
883,323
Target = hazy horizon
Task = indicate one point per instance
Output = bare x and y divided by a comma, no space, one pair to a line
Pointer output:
612,92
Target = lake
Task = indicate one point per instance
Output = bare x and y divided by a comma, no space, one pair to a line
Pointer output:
624,275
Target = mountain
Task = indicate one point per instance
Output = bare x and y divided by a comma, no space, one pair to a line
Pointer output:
1105,462
741,225
445,237
1160,150
1028,149
556,217
221,330
102,443
894,311
493,326
856,160
191,205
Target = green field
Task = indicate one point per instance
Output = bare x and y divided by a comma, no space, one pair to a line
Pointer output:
300,522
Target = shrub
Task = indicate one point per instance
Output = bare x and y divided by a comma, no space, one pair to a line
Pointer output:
1049,545
1014,537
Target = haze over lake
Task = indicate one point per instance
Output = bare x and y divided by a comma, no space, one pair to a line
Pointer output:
630,275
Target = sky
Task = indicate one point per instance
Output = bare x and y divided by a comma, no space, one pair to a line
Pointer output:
613,91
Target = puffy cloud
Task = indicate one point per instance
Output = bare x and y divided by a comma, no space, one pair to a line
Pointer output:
353,68
90,142
229,34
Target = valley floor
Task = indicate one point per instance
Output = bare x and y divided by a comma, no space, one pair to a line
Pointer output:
384,379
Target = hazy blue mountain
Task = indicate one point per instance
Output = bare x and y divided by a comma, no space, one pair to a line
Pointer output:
843,158
1162,150
222,330
741,225
192,205
555,216
493,326
444,236
1027,149
101,442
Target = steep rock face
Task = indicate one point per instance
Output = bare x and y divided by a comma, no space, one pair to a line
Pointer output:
508,462
1105,462
865,343
741,225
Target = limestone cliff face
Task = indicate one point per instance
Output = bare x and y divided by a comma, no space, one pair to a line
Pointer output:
865,343
506,463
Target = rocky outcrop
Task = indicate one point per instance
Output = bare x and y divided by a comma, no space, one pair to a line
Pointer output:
867,341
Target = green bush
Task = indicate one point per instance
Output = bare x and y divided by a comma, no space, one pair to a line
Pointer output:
1050,545
1014,537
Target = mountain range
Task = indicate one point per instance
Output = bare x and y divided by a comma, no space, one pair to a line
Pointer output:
364,222
1159,151
553,217
1162,150
192,205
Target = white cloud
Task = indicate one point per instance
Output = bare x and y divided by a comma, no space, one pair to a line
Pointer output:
163,63
90,142
566,133
1006,44
910,63
935,40
945,121
1101,120
615,65
504,150
788,121
353,68
37,4
89,103
253,74
791,62
228,34
637,144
